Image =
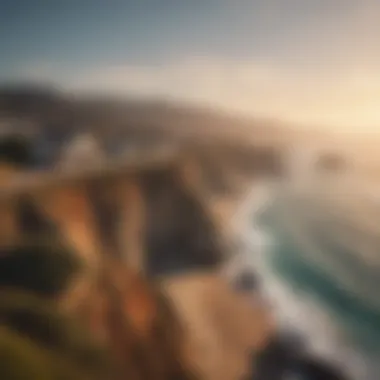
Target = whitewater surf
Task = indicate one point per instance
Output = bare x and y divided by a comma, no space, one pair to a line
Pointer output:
314,249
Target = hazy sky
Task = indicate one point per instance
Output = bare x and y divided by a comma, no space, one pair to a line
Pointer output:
315,62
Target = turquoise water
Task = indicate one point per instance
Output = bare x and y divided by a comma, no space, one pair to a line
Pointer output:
291,261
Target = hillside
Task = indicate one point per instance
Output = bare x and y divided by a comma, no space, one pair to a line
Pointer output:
47,110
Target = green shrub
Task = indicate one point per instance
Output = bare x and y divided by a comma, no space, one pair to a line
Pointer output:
39,321
20,359
43,268
52,345
16,150
23,359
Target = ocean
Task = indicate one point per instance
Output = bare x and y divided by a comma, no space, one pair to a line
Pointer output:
315,248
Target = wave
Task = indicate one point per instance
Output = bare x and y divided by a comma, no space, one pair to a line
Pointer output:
319,283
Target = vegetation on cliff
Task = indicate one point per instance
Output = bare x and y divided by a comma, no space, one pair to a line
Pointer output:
37,340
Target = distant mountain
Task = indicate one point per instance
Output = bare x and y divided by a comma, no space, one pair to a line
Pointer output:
117,118
217,139
26,100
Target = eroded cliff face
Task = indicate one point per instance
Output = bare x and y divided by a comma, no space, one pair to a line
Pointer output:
150,231
146,239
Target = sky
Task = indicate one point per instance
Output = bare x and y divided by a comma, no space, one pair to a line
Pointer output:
315,63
